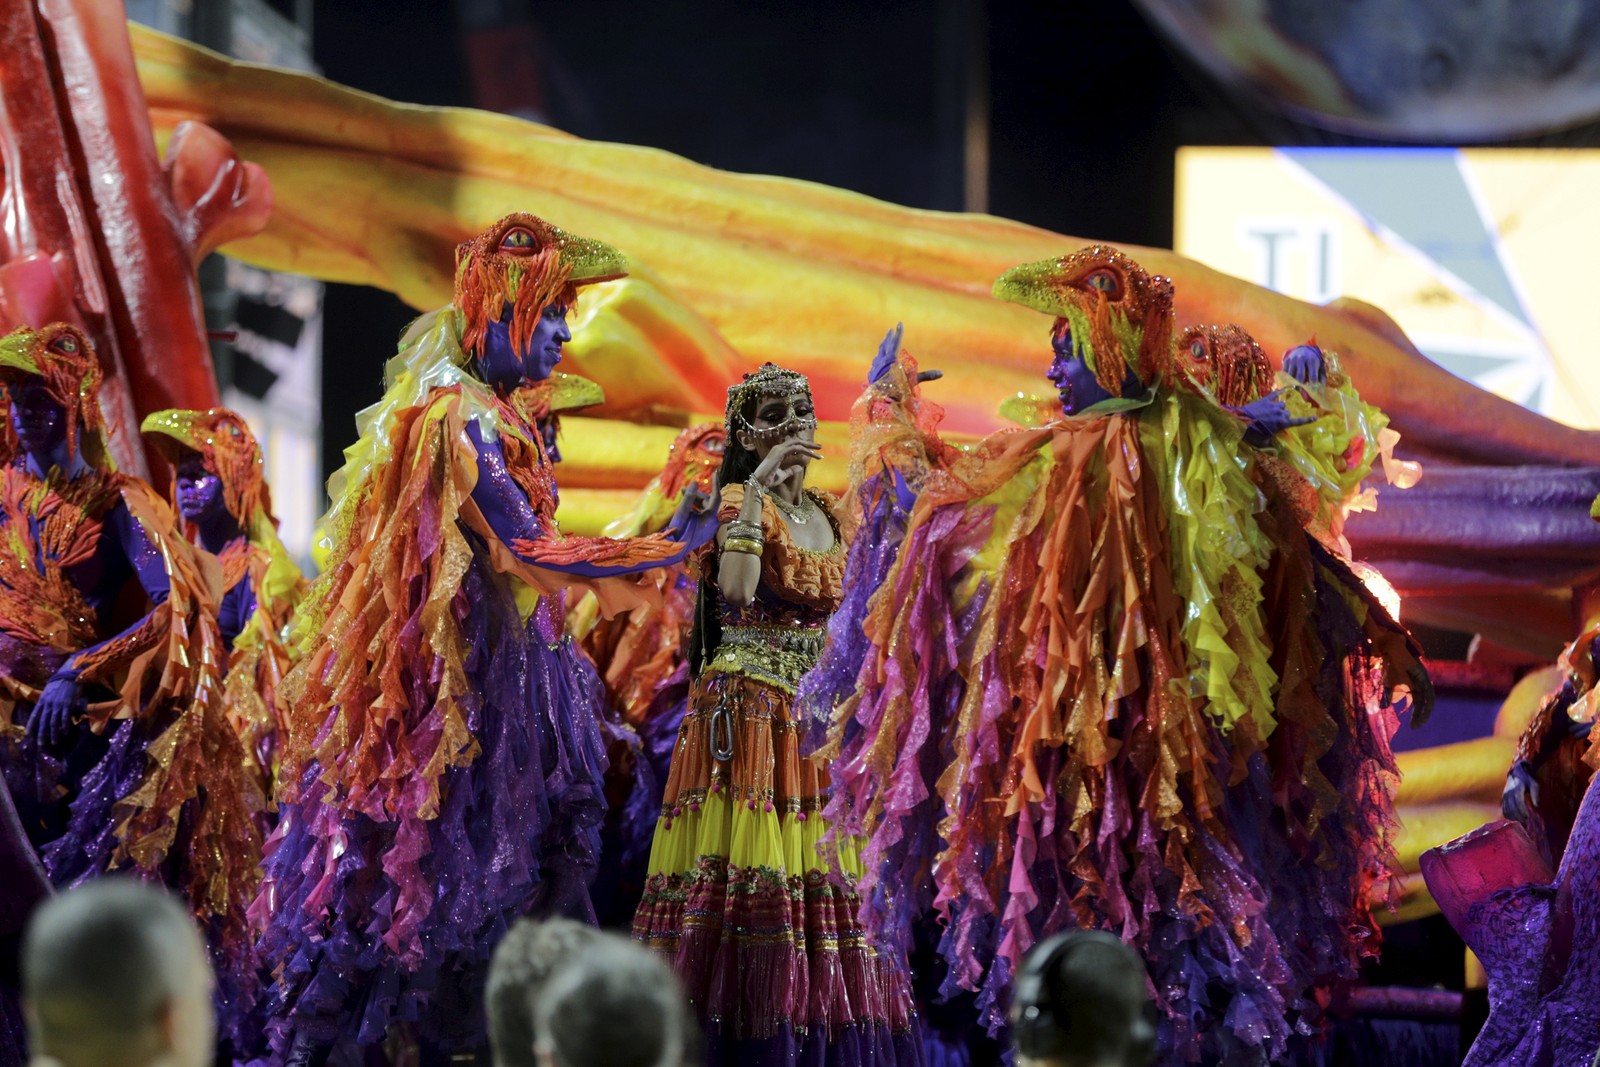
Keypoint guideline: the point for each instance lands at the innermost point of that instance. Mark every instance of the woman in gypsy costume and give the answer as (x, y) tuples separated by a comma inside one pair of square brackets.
[(442, 771), (740, 899), (112, 738), (1069, 666), (220, 487)]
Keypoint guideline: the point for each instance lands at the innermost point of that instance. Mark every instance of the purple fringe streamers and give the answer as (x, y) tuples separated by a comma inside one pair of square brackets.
[(1288, 900), (517, 833)]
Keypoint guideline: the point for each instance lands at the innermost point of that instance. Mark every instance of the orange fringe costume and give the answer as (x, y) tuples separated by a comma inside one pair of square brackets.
[(1065, 713), (441, 773), (164, 794), (259, 656)]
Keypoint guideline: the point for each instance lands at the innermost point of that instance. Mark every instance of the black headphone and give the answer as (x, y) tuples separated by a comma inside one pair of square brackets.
[(1035, 1030)]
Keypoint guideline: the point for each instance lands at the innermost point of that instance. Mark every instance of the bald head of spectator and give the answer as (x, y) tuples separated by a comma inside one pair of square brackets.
[(1080, 999), (613, 1005), (523, 962), (114, 974)]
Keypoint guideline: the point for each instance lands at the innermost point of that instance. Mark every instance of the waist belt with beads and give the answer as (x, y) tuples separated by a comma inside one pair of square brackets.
[(775, 655)]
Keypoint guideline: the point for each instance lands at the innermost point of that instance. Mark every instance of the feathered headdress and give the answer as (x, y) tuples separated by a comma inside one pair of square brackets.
[(1226, 362), (227, 448), (525, 262), (1118, 313), (61, 357)]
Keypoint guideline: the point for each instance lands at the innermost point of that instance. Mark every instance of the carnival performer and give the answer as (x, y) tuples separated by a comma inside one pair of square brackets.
[(1538, 940), (1306, 801), (112, 736), (220, 488), (1547, 782), (894, 448), (759, 924), (442, 772), (641, 654), (1071, 661)]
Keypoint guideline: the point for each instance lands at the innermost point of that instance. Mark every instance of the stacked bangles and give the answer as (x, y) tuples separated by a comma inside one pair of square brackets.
[(744, 536)]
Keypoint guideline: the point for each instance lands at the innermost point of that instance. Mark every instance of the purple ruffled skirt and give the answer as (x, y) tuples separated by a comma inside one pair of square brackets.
[(517, 833)]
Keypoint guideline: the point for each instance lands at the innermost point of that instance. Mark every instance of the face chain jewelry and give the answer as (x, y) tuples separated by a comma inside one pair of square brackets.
[(770, 381)]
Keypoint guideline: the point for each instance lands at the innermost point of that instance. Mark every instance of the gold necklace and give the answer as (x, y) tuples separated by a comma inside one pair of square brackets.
[(800, 513)]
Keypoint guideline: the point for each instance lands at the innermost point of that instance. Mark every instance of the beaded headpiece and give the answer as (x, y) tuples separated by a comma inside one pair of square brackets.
[(524, 261), (1118, 314), (61, 357), (769, 380), (1226, 362), (227, 448)]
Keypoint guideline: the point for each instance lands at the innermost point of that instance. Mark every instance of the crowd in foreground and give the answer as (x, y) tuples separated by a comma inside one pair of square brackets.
[(116, 974)]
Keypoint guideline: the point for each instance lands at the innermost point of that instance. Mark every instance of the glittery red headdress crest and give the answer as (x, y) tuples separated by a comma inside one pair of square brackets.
[(227, 448), (695, 455), (1119, 314), (525, 262), (1226, 362), (60, 356)]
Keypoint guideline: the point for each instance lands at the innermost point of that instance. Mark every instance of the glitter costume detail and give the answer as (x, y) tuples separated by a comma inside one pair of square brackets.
[(1225, 362), (442, 773), (756, 919), (1103, 685)]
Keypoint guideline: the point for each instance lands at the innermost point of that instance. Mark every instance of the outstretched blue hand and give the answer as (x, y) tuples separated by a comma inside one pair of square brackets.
[(1268, 417), (51, 721), (1305, 365)]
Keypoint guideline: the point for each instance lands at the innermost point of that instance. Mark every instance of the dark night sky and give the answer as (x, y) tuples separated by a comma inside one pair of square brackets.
[(1087, 108)]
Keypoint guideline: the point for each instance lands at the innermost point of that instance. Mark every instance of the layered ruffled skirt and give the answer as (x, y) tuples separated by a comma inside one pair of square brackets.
[(745, 900)]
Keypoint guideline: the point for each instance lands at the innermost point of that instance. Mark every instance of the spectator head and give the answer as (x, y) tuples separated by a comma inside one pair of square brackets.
[(114, 974), (1080, 1000), (523, 962), (615, 1005)]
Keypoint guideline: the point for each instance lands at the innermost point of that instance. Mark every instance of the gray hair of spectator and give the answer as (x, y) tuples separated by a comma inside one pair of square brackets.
[(615, 1005), (102, 966), (531, 951)]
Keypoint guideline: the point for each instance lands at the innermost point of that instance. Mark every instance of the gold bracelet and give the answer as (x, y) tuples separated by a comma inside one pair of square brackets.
[(745, 545), (744, 528)]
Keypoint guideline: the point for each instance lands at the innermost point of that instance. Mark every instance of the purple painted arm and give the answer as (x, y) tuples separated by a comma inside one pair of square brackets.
[(238, 604), (1267, 417), (512, 518), (63, 697)]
